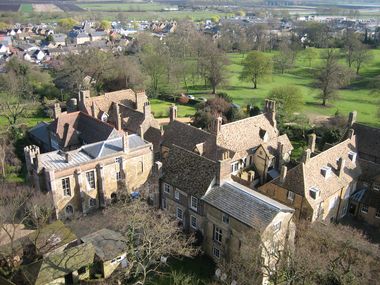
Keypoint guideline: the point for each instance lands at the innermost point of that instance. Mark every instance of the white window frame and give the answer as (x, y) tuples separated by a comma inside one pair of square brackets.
[(195, 208), (167, 188), (314, 190), (66, 186), (179, 217), (225, 218), (177, 195), (192, 219), (235, 167), (91, 183), (118, 175), (364, 209), (216, 252), (291, 196), (218, 234), (277, 227), (89, 202)]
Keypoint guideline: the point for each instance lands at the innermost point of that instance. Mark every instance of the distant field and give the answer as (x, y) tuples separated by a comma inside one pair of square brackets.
[(9, 7), (358, 96), (123, 6)]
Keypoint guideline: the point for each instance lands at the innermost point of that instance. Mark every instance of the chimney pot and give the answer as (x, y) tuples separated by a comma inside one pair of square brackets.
[(352, 118), (351, 133), (173, 113), (67, 157), (57, 110)]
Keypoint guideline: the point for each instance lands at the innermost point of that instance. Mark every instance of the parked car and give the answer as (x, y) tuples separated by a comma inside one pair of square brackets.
[(190, 97), (203, 99)]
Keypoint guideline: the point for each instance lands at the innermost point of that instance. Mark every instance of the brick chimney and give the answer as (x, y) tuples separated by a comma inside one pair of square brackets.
[(341, 165), (284, 172), (350, 134), (56, 110), (141, 99), (82, 96), (93, 109), (306, 156), (141, 132), (352, 118), (311, 142), (173, 113), (67, 157)]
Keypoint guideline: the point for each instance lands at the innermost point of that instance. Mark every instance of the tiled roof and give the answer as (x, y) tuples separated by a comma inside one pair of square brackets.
[(55, 160), (370, 170), (187, 137), (371, 198), (188, 171), (108, 244), (244, 204), (104, 102), (245, 134), (81, 128), (304, 176), (41, 132), (368, 139), (271, 147)]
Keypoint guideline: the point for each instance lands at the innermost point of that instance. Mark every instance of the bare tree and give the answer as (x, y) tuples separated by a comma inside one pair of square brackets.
[(361, 56), (151, 237), (331, 76)]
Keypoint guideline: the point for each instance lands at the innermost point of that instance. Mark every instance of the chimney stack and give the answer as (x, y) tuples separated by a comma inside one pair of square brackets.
[(217, 125), (67, 157), (118, 116), (306, 156), (270, 111), (125, 142), (311, 142), (284, 172), (147, 109), (57, 110), (93, 109), (251, 176), (352, 118), (173, 113), (142, 132), (341, 165), (350, 134)]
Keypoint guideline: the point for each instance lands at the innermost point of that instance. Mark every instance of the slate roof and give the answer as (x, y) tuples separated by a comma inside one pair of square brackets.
[(188, 171), (81, 128), (304, 176), (55, 160), (245, 205), (370, 170), (368, 139), (57, 265), (40, 131), (187, 137), (108, 244), (242, 135)]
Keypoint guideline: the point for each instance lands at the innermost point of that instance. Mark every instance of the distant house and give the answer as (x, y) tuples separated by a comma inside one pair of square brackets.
[(4, 49), (59, 40), (98, 36), (82, 38), (38, 55)]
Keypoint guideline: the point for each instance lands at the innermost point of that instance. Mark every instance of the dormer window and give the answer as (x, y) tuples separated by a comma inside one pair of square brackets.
[(326, 171), (314, 192), (352, 156), (263, 135)]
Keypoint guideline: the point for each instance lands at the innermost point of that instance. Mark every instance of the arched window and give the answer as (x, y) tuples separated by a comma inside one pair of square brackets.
[(69, 210)]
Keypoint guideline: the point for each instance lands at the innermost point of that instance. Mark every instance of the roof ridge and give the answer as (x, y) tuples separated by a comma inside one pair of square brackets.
[(245, 119), (255, 194), (195, 128), (327, 150)]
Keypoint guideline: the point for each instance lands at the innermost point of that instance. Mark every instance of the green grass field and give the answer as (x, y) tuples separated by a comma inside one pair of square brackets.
[(124, 6), (26, 8), (358, 96)]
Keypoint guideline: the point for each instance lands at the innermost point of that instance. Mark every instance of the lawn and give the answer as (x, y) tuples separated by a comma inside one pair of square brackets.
[(26, 8), (201, 267), (161, 109), (358, 96), (124, 6)]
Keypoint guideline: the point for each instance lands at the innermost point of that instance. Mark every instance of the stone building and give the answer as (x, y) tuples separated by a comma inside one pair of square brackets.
[(70, 130), (91, 176), (252, 151), (124, 109), (233, 210), (320, 186), (365, 203)]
